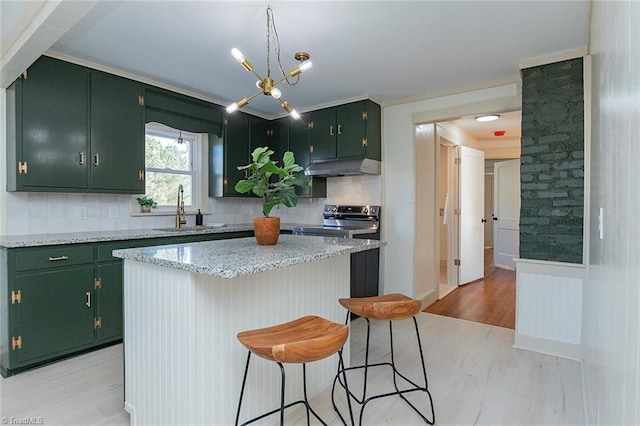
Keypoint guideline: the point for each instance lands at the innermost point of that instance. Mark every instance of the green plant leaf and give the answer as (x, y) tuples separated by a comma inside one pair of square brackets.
[(245, 186), (288, 197), (267, 206), (299, 179), (255, 155)]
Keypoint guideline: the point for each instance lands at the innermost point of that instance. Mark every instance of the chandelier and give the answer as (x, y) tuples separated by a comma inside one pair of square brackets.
[(268, 85)]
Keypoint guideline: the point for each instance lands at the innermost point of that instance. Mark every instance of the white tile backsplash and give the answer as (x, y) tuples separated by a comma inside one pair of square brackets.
[(44, 213)]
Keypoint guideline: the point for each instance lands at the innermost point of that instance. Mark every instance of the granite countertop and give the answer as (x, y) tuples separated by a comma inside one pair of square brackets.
[(242, 256), (35, 240)]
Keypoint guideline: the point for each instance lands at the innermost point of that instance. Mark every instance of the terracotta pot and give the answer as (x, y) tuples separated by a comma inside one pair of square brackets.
[(266, 230)]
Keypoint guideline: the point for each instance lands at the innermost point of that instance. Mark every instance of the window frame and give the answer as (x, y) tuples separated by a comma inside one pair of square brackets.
[(199, 171)]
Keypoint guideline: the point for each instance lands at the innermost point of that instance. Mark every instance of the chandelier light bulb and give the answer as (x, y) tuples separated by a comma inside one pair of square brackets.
[(295, 114), (305, 66), (232, 108), (237, 55), (259, 84), (276, 93)]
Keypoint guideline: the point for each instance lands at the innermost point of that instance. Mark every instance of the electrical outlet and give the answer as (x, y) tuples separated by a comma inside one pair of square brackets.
[(114, 212), (81, 213)]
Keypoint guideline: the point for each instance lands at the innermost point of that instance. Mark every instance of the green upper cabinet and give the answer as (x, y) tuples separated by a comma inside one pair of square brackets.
[(299, 145), (259, 133), (117, 135), (73, 129), (279, 138), (299, 139), (346, 131), (47, 121), (322, 134), (227, 153)]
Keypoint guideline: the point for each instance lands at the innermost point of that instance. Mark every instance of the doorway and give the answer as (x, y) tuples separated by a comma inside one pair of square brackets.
[(475, 232), (447, 202)]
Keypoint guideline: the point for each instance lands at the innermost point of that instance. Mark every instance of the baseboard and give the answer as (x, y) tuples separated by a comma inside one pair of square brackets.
[(132, 412), (428, 298), (549, 347)]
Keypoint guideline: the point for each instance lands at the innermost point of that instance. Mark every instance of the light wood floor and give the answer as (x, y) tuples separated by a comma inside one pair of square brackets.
[(475, 377), (490, 300)]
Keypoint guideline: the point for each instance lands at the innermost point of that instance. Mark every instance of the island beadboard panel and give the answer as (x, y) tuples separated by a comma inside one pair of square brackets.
[(552, 162), (180, 338)]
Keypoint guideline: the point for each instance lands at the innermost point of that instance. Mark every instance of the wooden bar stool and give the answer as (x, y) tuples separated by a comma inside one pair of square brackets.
[(390, 307), (307, 339)]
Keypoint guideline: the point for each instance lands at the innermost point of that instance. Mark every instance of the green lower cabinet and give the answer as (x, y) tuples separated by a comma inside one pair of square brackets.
[(109, 302), (55, 314), (62, 300)]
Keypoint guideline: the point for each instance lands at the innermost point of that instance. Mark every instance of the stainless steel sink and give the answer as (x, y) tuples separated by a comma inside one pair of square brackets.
[(181, 229)]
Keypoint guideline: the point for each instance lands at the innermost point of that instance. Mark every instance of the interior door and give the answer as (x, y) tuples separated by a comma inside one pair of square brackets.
[(506, 217), (471, 214), (488, 210)]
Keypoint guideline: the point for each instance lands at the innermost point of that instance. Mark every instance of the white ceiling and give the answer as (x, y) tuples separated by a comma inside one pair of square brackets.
[(387, 50)]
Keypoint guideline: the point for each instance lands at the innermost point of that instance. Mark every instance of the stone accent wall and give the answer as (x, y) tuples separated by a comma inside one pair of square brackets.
[(552, 162)]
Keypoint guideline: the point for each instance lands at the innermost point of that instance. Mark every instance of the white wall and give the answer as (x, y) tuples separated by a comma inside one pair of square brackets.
[(611, 322), (399, 170), (44, 213)]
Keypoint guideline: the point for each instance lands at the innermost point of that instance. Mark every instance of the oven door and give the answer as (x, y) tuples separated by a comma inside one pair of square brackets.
[(321, 231)]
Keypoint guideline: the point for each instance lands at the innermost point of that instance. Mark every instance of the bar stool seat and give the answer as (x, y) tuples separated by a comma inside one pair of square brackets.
[(307, 339), (389, 307)]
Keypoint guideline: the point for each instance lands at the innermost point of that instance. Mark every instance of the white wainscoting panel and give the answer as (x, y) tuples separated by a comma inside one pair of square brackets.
[(183, 362), (549, 307)]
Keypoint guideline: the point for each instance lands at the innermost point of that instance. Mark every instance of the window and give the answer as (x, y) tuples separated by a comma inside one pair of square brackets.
[(170, 164)]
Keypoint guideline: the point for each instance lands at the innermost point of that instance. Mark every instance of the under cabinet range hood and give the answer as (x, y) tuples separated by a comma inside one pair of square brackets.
[(345, 167)]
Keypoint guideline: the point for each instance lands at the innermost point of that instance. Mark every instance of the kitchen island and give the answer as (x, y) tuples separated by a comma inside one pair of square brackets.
[(185, 303)]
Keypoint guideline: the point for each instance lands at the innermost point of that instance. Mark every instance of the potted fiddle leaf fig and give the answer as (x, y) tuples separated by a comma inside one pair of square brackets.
[(275, 185)]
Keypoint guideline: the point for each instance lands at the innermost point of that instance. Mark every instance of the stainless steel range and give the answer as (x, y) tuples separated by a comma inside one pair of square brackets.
[(345, 221)]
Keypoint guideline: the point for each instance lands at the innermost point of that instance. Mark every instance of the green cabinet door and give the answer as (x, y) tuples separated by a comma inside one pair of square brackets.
[(117, 135), (359, 130), (351, 120), (279, 138), (51, 128), (55, 314), (236, 150), (259, 133), (299, 140), (322, 134), (109, 301), (299, 145)]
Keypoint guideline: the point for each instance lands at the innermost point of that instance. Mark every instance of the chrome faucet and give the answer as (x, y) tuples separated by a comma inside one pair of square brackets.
[(180, 218)]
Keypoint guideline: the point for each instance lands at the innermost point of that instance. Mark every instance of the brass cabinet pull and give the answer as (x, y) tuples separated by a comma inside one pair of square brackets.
[(331, 130), (96, 159), (339, 129), (88, 303), (81, 158), (55, 259)]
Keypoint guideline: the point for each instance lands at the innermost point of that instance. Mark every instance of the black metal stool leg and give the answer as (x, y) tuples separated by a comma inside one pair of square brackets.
[(342, 370), (282, 383), (244, 381), (414, 387)]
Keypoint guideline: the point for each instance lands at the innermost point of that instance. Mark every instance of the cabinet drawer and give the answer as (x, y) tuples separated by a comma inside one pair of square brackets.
[(53, 257)]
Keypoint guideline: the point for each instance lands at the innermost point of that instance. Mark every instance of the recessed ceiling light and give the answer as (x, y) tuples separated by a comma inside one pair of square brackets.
[(490, 117)]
